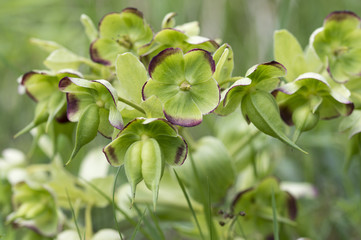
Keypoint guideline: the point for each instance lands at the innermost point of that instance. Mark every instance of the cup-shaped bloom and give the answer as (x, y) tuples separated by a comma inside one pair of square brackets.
[(184, 84), (338, 44), (93, 104), (310, 97), (35, 208), (144, 146), (119, 33), (256, 206), (42, 87), (176, 38)]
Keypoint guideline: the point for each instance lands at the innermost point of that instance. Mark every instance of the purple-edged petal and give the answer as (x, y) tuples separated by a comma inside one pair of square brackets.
[(168, 66), (174, 149), (115, 118), (76, 103), (105, 51), (38, 85), (105, 128), (161, 90), (265, 71), (206, 95), (74, 85), (199, 66), (182, 110), (116, 150)]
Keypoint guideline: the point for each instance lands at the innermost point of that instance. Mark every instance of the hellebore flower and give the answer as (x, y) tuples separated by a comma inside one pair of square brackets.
[(256, 207), (184, 37), (144, 146), (338, 44), (184, 84), (93, 104), (35, 208), (42, 87), (119, 33), (257, 104), (311, 97)]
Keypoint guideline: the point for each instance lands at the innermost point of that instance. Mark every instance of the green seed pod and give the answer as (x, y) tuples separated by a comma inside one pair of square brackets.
[(133, 165), (304, 119), (152, 166)]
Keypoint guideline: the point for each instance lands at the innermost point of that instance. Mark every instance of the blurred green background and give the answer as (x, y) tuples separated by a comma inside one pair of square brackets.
[(246, 25)]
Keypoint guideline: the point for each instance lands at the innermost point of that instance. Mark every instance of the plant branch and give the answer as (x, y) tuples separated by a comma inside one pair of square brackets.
[(133, 105)]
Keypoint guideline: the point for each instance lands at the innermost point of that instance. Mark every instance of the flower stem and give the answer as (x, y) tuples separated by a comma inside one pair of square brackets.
[(133, 105), (88, 222)]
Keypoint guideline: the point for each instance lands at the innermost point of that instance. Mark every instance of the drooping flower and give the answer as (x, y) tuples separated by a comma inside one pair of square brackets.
[(35, 208), (310, 98), (184, 84), (144, 146), (42, 87), (338, 44), (93, 104), (119, 33)]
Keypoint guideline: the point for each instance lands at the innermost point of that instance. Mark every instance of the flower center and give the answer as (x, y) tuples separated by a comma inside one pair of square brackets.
[(100, 103), (340, 50), (185, 86), (125, 42)]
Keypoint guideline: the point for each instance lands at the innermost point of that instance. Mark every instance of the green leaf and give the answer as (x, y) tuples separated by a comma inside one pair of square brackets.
[(62, 59), (48, 46), (261, 109), (152, 166), (133, 165), (105, 128), (288, 51), (86, 130), (90, 29), (132, 75)]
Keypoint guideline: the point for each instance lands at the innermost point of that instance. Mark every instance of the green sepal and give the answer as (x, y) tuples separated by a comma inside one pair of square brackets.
[(223, 59), (152, 166), (62, 59), (41, 116), (168, 20), (288, 51), (132, 75), (48, 46), (266, 76), (56, 103), (86, 130), (133, 165), (89, 27), (261, 109)]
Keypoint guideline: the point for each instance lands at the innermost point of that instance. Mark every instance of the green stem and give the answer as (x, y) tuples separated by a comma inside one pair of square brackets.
[(245, 142), (133, 105), (88, 222)]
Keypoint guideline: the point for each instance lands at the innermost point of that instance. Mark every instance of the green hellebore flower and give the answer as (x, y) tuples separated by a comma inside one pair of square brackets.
[(119, 33), (310, 97), (35, 208), (176, 38), (184, 84), (42, 87), (338, 44), (93, 104), (256, 209), (144, 146), (257, 104)]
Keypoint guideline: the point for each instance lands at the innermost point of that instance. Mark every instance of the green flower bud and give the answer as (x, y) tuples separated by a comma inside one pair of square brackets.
[(304, 119)]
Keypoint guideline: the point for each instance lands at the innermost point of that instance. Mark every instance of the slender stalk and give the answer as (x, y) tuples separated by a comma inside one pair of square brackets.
[(243, 143), (133, 105), (114, 205), (88, 221)]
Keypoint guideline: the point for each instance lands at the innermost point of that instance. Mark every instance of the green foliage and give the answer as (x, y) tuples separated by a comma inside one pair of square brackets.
[(144, 90)]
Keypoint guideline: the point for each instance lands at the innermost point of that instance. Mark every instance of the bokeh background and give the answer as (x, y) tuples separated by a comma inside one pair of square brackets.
[(247, 25)]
